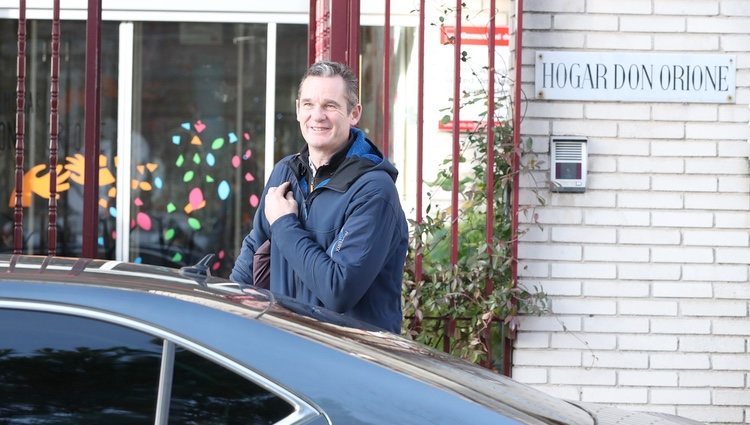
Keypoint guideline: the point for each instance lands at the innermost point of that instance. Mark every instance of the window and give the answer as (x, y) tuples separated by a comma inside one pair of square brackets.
[(205, 393), (61, 369), (70, 141), (202, 100), (198, 140), (57, 369)]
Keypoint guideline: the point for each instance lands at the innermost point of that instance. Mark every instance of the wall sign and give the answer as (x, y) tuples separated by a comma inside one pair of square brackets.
[(474, 41), (635, 77)]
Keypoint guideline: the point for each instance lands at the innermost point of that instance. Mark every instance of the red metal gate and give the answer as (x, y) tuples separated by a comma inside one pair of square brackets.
[(333, 34), (334, 37)]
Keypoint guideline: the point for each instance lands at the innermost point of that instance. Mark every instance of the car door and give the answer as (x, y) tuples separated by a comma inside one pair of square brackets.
[(62, 364)]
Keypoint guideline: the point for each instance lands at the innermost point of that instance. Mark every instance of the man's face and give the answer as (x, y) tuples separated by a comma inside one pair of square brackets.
[(322, 114)]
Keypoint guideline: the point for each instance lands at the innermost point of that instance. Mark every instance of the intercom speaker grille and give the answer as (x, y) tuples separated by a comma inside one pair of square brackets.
[(569, 151)]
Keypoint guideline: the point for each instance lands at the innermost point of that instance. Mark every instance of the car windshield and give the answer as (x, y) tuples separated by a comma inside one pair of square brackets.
[(473, 382)]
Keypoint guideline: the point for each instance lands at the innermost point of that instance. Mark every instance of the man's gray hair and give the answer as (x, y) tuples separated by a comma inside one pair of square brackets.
[(332, 69)]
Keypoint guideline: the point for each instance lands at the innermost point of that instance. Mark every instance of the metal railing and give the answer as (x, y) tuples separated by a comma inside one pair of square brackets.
[(333, 34)]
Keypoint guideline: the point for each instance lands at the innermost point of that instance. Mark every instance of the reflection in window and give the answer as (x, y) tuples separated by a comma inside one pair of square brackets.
[(371, 84), (60, 369), (206, 393), (291, 62)]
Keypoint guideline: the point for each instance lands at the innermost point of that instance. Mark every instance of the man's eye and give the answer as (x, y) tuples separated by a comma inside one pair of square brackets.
[(331, 106)]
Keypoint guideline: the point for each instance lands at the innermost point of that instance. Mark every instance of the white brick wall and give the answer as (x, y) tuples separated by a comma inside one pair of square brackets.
[(648, 269)]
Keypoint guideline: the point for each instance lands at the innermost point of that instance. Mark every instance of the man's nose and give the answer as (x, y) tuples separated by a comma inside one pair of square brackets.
[(318, 113)]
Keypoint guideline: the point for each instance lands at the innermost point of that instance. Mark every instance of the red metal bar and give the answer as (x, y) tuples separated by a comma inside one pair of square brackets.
[(447, 338), (420, 137), (353, 39), (456, 133), (515, 164), (344, 32), (53, 129), (333, 32), (321, 38), (490, 228), (387, 79), (20, 128), (456, 154), (312, 20), (91, 129), (338, 29)]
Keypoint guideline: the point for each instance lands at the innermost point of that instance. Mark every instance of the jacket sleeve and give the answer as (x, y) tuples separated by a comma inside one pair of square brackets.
[(340, 274)]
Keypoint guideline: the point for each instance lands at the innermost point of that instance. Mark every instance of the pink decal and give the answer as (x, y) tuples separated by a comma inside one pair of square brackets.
[(249, 177), (144, 221), (216, 266), (246, 136), (248, 154), (132, 223), (199, 126), (114, 235), (196, 198), (235, 161), (254, 200), (221, 254), (138, 202)]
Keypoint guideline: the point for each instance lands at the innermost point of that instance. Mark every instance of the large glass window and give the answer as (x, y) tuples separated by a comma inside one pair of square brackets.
[(70, 137), (198, 144), (291, 62)]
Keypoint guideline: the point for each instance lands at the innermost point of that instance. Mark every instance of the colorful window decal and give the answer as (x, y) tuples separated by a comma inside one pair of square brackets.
[(198, 164)]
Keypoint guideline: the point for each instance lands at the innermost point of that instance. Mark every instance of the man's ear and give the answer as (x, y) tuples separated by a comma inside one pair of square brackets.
[(355, 115)]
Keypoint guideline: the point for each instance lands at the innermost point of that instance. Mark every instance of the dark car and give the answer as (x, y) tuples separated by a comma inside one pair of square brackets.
[(97, 341)]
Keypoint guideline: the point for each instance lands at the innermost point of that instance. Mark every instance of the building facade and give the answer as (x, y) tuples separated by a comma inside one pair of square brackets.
[(647, 269)]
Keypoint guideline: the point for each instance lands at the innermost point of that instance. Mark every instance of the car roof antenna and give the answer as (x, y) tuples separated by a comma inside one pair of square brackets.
[(200, 272)]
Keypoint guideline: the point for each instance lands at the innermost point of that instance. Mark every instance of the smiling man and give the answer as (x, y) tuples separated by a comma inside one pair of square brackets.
[(337, 232)]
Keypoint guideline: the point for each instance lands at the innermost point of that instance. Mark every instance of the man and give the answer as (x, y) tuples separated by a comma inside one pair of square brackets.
[(332, 212)]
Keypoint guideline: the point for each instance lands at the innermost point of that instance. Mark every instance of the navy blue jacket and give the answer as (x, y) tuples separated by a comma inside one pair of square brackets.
[(346, 249)]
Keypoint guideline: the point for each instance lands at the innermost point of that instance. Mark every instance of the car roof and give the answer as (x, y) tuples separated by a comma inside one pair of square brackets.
[(337, 364)]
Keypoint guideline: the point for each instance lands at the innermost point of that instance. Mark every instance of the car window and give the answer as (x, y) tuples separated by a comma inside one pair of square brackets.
[(62, 369), (57, 369), (206, 393)]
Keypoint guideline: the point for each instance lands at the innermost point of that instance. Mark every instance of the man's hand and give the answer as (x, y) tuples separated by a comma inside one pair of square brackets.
[(279, 201)]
